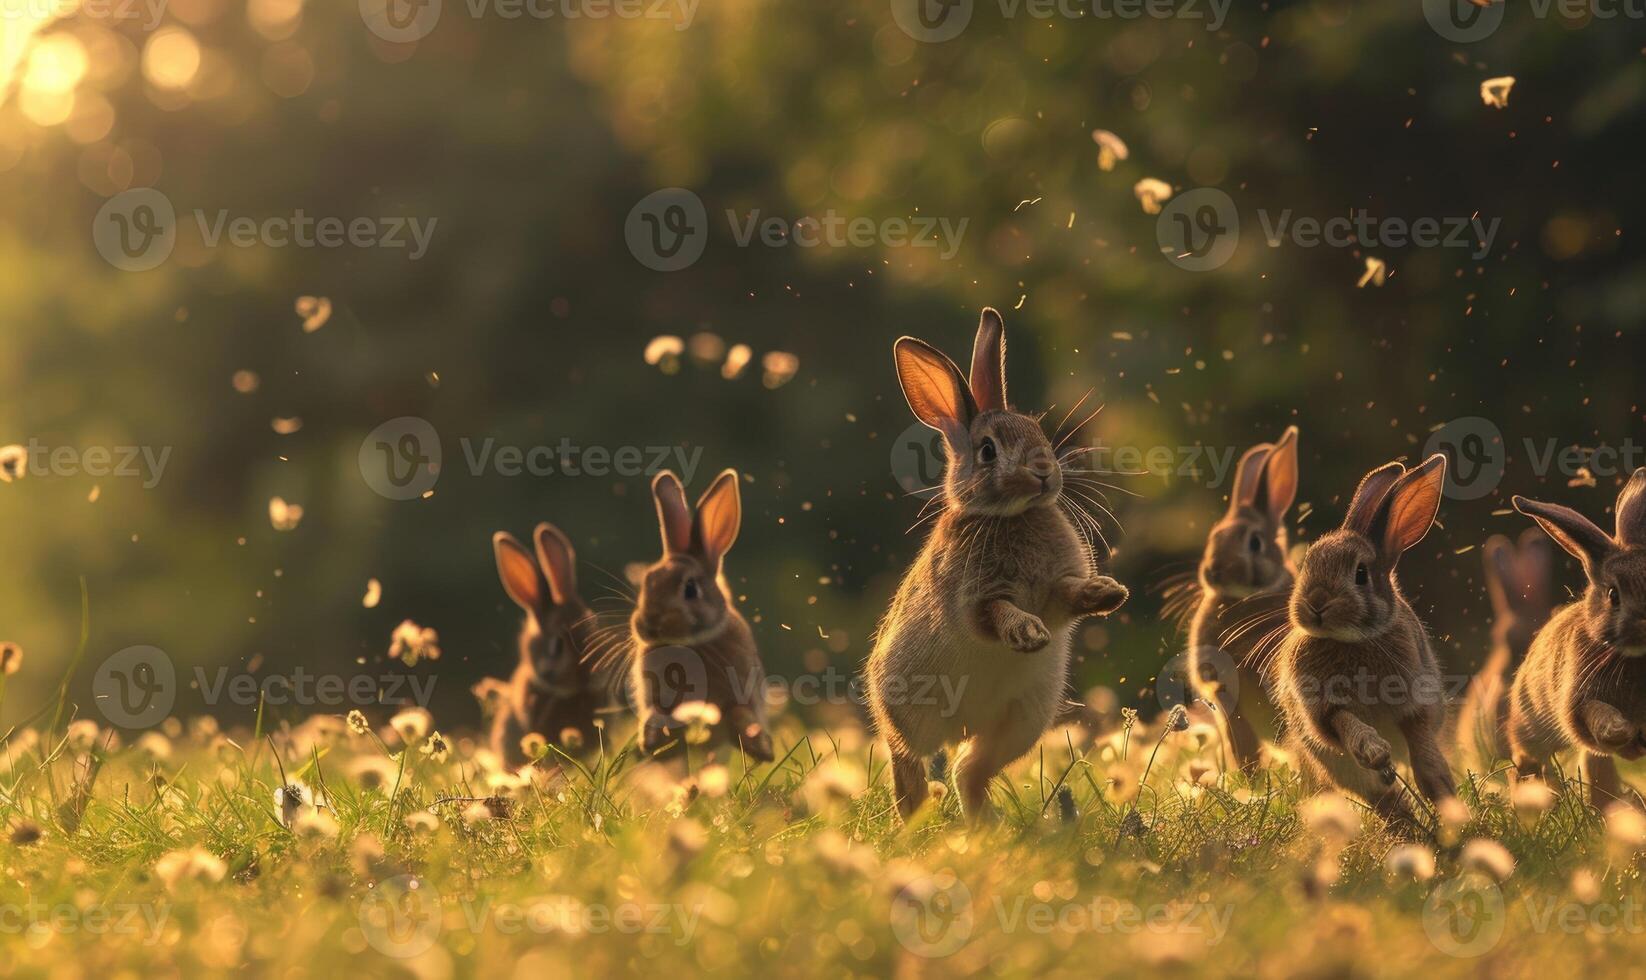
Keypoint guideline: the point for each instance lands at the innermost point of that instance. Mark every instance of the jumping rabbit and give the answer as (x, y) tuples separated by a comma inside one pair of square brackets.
[(1356, 679), (1518, 580), (689, 641), (984, 613), (552, 689), (1245, 557), (1583, 684)]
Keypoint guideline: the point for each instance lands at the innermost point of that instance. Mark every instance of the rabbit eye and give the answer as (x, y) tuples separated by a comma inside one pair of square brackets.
[(691, 588), (1361, 575), (986, 452), (1614, 597), (1255, 542)]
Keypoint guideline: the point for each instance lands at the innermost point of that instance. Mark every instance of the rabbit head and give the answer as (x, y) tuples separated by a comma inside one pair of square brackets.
[(1615, 601), (1000, 462), (1246, 550), (1519, 582), (1345, 586), (546, 588), (682, 599)]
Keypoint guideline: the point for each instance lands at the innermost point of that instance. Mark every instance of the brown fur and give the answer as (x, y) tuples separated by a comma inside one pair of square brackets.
[(1235, 578), (1357, 679), (974, 648), (689, 643), (1583, 684), (1519, 584), (552, 690)]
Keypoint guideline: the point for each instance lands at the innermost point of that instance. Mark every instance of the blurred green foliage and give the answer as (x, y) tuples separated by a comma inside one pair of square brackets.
[(529, 141)]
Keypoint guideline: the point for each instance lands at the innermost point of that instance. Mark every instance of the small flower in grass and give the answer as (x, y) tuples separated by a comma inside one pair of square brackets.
[(571, 739), (293, 800), (154, 745), (534, 746), (11, 658), (83, 734), (192, 864), (1330, 815), (1585, 886), (699, 717), (14, 463), (412, 725), (1625, 829), (316, 824), (357, 722), (437, 749), (1454, 816), (1410, 862), (843, 855), (687, 838), (1489, 858), (422, 822), (831, 784), (412, 643), (1177, 720), (1532, 798), (714, 781)]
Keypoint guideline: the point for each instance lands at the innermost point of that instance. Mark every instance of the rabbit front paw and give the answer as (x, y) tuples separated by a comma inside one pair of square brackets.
[(1097, 596), (1372, 751), (1610, 729), (1026, 634)]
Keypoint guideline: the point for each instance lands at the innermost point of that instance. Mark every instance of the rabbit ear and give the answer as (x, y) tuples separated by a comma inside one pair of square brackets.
[(1368, 499), (1499, 560), (559, 561), (1534, 564), (1631, 511), (1410, 508), (673, 517), (936, 392), (1248, 474), (1278, 487), (719, 516), (989, 363), (1572, 531), (518, 572)]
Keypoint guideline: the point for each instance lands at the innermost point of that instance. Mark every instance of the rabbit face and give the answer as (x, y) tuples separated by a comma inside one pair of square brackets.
[(544, 586), (681, 604), (1011, 467), (1341, 594), (1617, 600), (1245, 555), (553, 649)]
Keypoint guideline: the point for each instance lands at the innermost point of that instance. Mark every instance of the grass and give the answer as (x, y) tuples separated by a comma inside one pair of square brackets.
[(182, 852)]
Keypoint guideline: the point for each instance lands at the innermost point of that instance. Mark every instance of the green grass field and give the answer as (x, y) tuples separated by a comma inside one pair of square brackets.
[(181, 854)]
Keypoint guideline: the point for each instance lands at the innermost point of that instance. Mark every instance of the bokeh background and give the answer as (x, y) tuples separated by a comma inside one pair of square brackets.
[(528, 141)]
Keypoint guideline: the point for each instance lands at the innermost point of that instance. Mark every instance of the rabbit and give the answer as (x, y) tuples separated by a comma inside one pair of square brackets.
[(1356, 680), (1583, 684), (1518, 580), (975, 645), (552, 690), (1246, 557), (689, 642)]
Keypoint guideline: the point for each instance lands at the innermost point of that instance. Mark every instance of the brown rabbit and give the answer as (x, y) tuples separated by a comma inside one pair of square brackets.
[(1357, 677), (1583, 684), (984, 613), (1520, 585), (1245, 558), (552, 690), (689, 641)]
